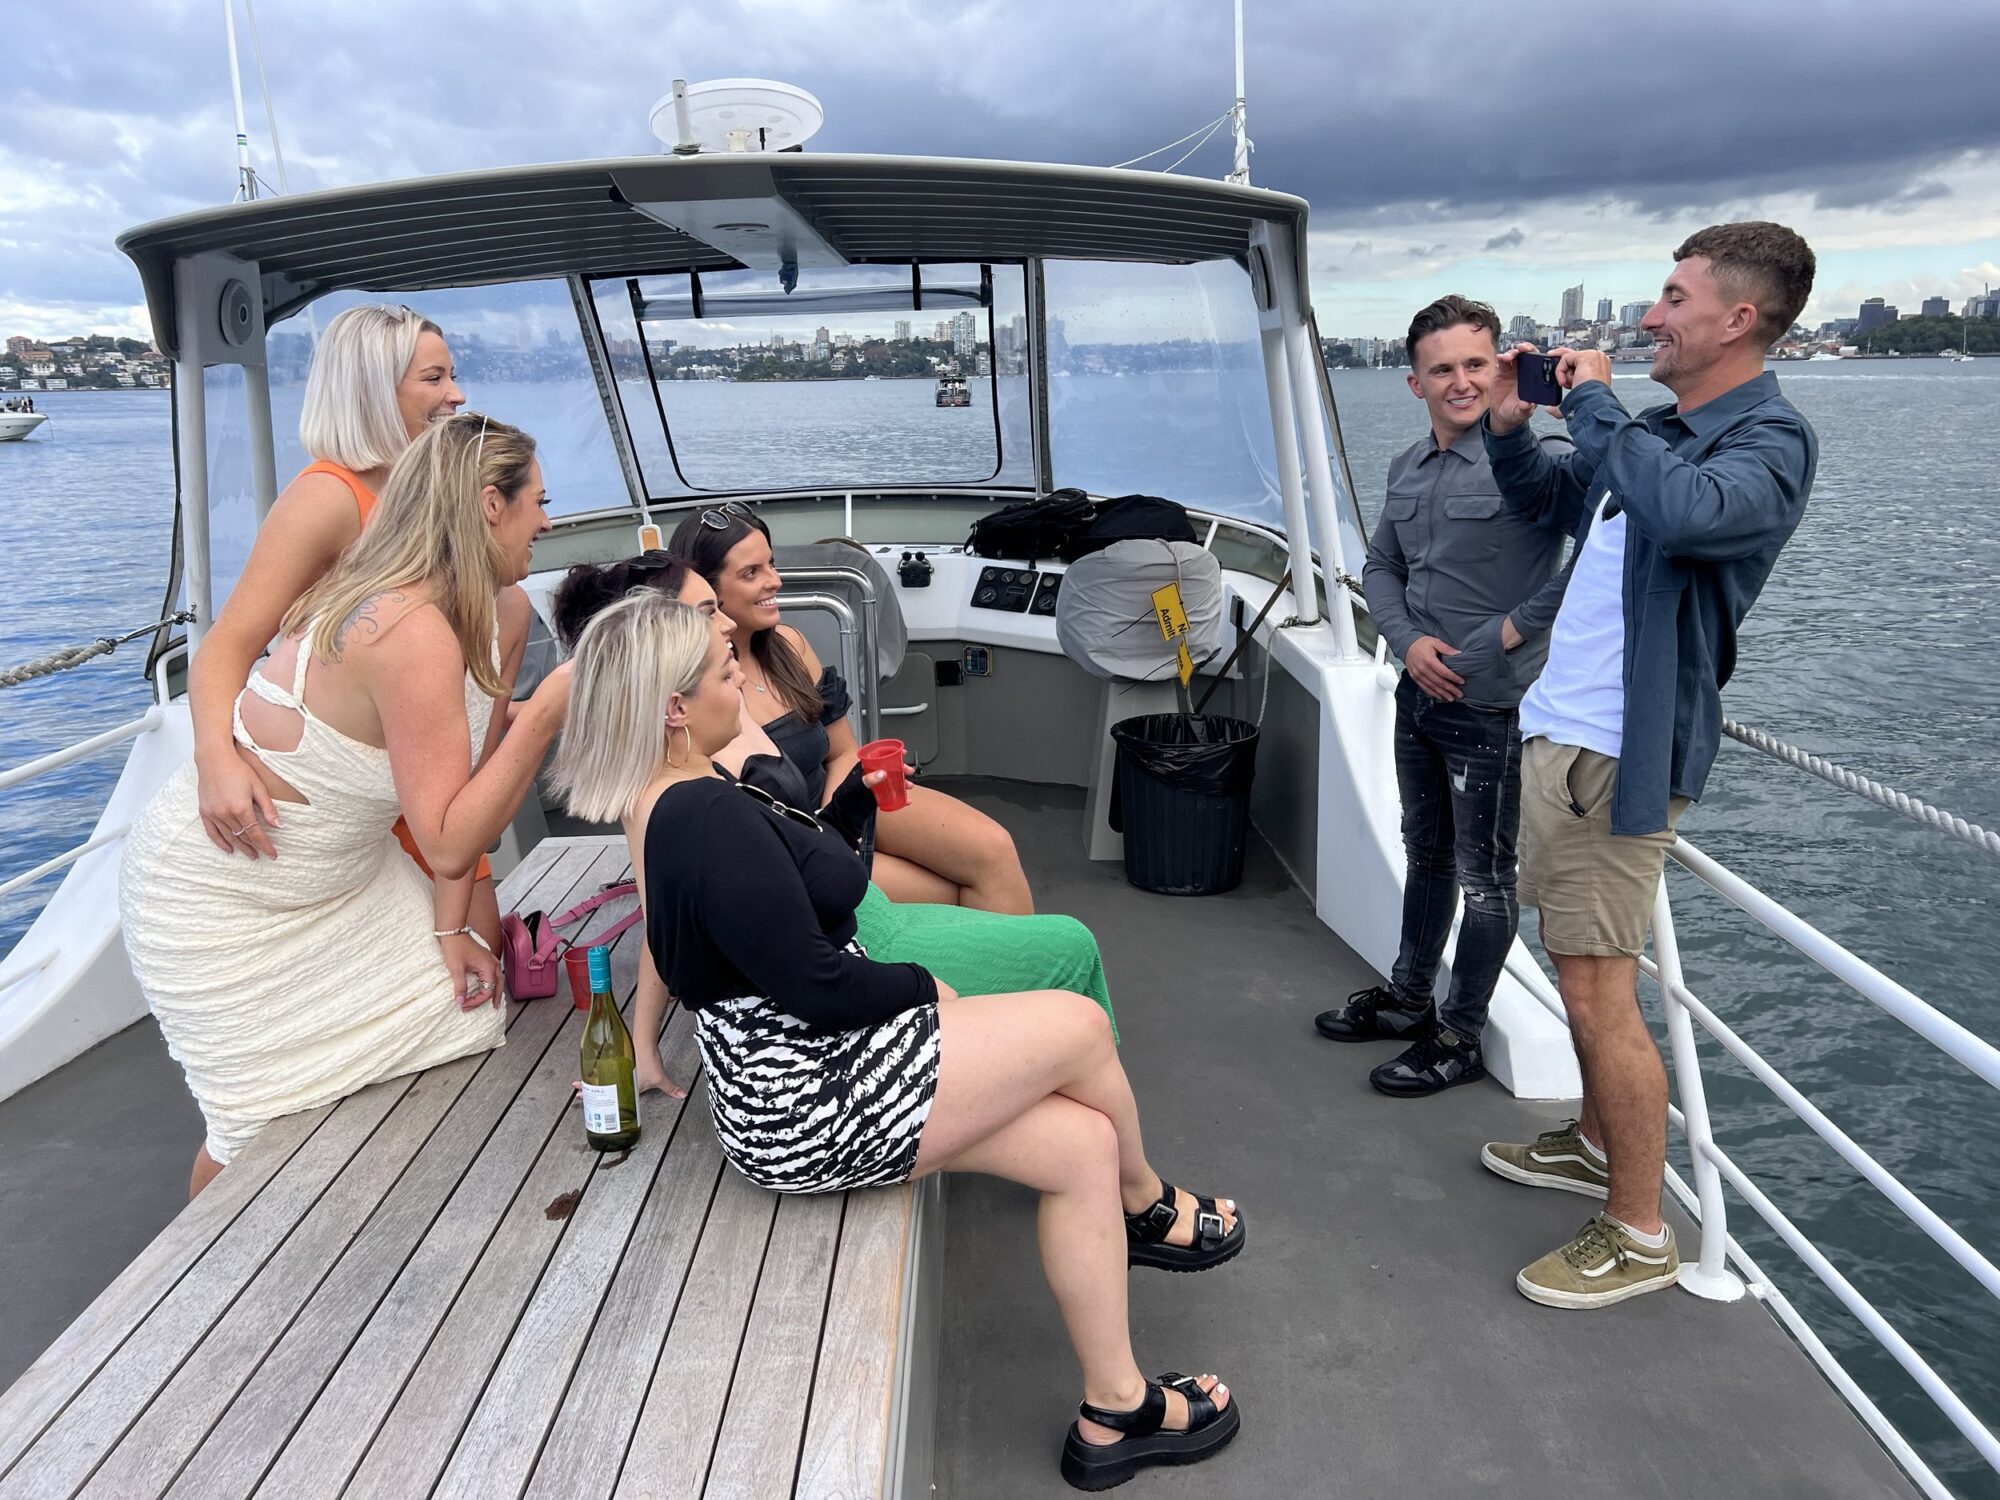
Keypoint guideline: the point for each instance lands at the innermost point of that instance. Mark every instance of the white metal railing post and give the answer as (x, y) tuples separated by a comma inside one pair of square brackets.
[(1710, 1277)]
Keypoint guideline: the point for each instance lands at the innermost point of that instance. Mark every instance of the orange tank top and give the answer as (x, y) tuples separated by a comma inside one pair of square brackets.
[(364, 498)]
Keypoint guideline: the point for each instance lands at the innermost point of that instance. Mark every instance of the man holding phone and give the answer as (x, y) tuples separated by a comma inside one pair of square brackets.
[(1464, 592), (1679, 514)]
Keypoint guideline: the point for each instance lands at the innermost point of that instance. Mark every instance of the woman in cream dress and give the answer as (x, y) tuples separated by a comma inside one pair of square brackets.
[(285, 984)]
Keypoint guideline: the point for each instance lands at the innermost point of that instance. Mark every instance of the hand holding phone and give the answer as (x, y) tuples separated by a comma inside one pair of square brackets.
[(1535, 378)]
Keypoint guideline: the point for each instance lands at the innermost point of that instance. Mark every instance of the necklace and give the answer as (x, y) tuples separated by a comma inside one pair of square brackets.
[(759, 684)]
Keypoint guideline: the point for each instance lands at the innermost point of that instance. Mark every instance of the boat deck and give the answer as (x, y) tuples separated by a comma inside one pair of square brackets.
[(1371, 1329), (436, 1287)]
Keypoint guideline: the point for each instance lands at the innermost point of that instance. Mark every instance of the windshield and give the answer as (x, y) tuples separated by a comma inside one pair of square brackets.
[(842, 381)]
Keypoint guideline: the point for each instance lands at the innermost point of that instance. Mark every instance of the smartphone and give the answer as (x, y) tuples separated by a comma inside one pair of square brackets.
[(1535, 379)]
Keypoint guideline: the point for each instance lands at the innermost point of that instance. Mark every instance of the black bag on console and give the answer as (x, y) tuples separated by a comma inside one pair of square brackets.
[(1034, 529), (1130, 518)]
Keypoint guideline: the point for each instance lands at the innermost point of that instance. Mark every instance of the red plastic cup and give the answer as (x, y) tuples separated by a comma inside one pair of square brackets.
[(576, 960), (893, 791)]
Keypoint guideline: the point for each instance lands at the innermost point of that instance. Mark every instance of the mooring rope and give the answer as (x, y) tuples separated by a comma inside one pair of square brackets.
[(76, 656), (1913, 808)]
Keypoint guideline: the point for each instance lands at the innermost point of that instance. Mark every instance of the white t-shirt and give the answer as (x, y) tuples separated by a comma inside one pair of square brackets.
[(1580, 697)]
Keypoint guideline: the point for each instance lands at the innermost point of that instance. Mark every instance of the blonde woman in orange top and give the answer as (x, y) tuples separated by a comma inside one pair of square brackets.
[(381, 376)]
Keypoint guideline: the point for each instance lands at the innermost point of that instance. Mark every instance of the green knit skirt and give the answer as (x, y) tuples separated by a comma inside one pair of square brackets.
[(983, 952)]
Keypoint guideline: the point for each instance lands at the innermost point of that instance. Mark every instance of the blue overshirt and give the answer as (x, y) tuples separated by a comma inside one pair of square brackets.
[(1710, 496)]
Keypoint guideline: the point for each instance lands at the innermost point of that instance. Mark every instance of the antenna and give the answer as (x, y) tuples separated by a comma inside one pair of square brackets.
[(735, 115), (1239, 172), (246, 174)]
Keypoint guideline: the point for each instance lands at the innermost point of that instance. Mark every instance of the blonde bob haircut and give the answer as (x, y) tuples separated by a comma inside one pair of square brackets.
[(430, 528), (350, 416), (630, 661)]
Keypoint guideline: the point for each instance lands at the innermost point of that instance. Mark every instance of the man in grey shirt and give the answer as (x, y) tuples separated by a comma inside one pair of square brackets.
[(1464, 591)]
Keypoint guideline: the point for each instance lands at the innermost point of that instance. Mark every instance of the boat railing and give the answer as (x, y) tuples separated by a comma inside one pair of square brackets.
[(55, 760), (1710, 1275)]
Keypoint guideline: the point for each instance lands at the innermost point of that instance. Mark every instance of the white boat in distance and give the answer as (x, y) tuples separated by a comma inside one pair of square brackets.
[(15, 425)]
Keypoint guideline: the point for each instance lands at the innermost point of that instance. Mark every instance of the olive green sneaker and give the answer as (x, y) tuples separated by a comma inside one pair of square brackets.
[(1557, 1159), (1602, 1265)]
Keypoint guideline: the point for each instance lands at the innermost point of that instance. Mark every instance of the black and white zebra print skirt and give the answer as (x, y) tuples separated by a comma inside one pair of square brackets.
[(800, 1111)]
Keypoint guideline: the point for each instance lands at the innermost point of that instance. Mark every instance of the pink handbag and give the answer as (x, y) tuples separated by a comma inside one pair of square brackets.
[(531, 950)]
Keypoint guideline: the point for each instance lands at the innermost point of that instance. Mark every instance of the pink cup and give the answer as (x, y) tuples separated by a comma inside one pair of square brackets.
[(893, 791), (576, 960)]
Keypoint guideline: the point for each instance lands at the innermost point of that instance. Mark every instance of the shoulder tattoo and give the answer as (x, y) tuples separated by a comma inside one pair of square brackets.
[(363, 617)]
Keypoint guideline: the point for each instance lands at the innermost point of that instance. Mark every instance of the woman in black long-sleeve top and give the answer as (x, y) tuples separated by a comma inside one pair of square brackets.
[(828, 1071)]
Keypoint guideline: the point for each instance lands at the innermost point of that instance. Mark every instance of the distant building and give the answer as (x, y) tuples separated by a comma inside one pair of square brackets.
[(1632, 313), (902, 330), (1936, 307), (1874, 313), (965, 333), (1572, 305), (1521, 330), (822, 335), (20, 344), (1985, 305), (1604, 309)]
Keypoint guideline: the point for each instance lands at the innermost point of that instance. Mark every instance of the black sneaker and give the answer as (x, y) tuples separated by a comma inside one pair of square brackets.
[(1375, 1015), (1440, 1061)]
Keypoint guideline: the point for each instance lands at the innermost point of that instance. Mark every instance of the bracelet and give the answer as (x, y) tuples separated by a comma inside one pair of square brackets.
[(455, 932)]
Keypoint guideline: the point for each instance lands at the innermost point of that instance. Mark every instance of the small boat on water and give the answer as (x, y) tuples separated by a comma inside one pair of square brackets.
[(15, 425), (952, 391)]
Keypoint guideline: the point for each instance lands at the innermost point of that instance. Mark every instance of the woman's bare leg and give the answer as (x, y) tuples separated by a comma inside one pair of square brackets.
[(1069, 1153), (206, 1170), (1001, 1055), (911, 884), (649, 1012), (960, 844)]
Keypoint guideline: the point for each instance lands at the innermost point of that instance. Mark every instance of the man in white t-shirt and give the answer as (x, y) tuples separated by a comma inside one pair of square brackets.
[(1679, 514)]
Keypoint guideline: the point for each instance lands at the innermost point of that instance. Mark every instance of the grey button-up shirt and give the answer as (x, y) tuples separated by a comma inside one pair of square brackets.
[(1449, 560)]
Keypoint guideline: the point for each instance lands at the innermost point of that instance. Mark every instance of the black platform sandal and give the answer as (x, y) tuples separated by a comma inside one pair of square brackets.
[(1146, 1235), (1146, 1444)]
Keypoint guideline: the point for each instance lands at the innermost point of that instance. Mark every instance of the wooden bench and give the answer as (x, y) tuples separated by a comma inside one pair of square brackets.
[(437, 1287)]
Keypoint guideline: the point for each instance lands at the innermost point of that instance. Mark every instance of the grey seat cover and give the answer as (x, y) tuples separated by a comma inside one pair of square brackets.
[(1104, 614)]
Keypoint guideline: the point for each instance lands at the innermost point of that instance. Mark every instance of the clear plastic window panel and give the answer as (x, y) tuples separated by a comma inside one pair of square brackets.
[(840, 382)]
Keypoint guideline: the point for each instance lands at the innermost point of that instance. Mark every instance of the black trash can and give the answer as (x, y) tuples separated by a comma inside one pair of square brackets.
[(1183, 800)]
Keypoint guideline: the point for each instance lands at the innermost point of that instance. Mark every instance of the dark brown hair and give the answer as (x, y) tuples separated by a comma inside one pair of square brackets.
[(1449, 312), (589, 588), (707, 549), (1761, 263)]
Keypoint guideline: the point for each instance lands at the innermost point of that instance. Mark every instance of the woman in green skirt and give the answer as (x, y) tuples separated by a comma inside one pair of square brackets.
[(975, 952)]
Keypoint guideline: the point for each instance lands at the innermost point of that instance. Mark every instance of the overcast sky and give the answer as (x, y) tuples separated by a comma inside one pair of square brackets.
[(1874, 130)]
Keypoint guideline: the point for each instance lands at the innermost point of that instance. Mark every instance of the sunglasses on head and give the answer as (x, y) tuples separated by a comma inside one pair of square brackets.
[(721, 516), (783, 809)]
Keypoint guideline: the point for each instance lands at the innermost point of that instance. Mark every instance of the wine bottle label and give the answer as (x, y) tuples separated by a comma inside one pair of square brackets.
[(600, 1108)]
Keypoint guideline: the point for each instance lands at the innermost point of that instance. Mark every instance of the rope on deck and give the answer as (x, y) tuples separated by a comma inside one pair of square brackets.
[(76, 656), (1914, 808)]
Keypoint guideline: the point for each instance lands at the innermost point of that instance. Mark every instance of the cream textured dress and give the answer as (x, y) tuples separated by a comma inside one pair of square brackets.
[(284, 985)]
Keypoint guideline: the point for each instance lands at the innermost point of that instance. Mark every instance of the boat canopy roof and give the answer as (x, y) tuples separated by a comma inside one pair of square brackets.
[(650, 214)]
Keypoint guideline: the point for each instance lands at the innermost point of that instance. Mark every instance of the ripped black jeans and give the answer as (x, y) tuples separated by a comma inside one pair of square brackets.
[(1459, 771)]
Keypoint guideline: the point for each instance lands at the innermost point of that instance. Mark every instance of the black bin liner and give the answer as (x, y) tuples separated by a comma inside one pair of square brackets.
[(1182, 800)]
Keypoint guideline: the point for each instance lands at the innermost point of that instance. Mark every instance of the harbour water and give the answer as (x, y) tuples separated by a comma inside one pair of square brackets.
[(1873, 645)]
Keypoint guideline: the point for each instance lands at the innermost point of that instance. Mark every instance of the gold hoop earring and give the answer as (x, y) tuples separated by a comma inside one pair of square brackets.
[(677, 764)]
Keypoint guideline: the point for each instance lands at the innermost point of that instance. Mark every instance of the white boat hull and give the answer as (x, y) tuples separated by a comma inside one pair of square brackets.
[(67, 986), (15, 425)]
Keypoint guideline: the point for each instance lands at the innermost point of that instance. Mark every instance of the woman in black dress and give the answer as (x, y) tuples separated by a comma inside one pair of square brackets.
[(829, 1071), (937, 849)]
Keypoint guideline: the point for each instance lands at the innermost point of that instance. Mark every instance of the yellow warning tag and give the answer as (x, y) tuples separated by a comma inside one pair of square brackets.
[(1172, 615)]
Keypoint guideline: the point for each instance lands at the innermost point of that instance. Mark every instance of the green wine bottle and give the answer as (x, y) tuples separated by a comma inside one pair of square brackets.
[(610, 1099)]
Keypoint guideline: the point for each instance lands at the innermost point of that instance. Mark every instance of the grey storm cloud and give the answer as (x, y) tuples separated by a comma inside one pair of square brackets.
[(123, 109), (1508, 240)]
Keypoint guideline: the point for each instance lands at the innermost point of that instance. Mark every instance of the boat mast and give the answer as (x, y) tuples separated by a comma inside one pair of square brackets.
[(246, 174), (1239, 172)]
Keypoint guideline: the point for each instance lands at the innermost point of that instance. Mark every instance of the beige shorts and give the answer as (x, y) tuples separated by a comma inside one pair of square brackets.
[(1595, 888)]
